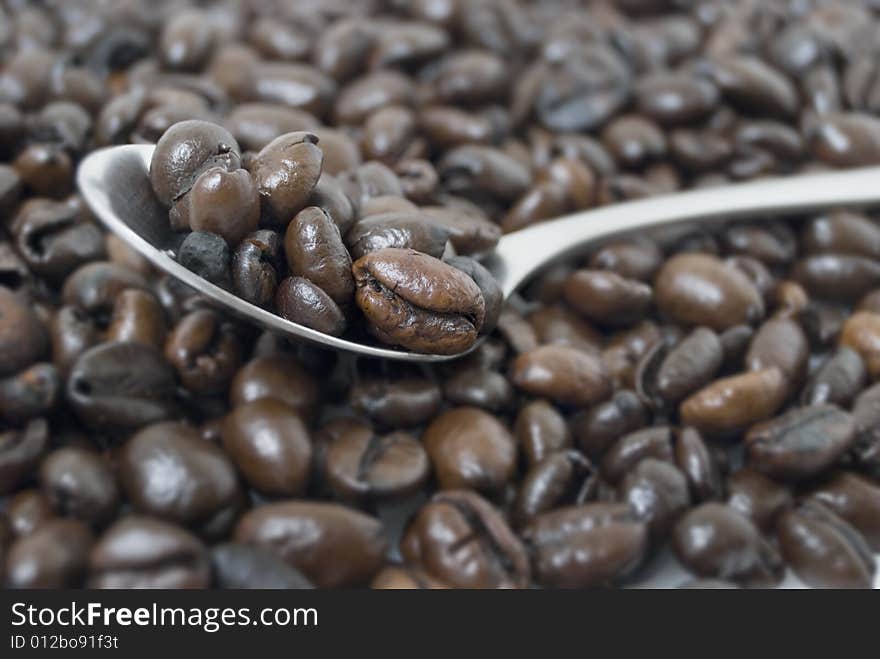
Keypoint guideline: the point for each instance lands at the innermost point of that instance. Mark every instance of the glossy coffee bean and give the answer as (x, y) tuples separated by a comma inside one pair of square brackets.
[(168, 471), (493, 296), (399, 402), (540, 431), (715, 541), (398, 229), (21, 450), (460, 539), (32, 393), (841, 232), (270, 445), (657, 492), (800, 443), (80, 484), (607, 298), (55, 555), (470, 449), (671, 98), (23, 337), (286, 171), (225, 203), (780, 343), (417, 302), (731, 404), (315, 251), (755, 87), (847, 139), (837, 381), (836, 277), (665, 376), (585, 546), (137, 317), (565, 375), (861, 333), (281, 377), (24, 513), (823, 549), (682, 290), (695, 460), (634, 140), (255, 267), (204, 351), (856, 500), (634, 447), (474, 169), (239, 566), (481, 388), (103, 393), (143, 552), (756, 496), (333, 546), (371, 467), (599, 427), (94, 287), (301, 301), (559, 479)]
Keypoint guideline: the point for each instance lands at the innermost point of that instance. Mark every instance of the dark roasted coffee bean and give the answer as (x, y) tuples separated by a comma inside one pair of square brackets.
[(731, 404), (470, 449), (286, 171), (314, 250), (634, 447), (301, 301), (55, 555), (837, 277), (207, 255), (669, 375), (841, 232), (462, 540), (837, 381), (861, 333), (657, 492), (540, 431), (25, 512), (671, 98), (121, 386), (847, 139), (270, 445), (23, 337), (138, 317), (361, 466), (598, 428), (142, 552), (563, 374), (79, 483), (341, 548), (94, 287), (715, 541), (168, 471), (780, 343), (823, 549), (34, 392), (698, 465), (400, 229), (585, 546), (757, 497), (754, 86), (21, 450), (697, 289), (239, 566), (204, 351), (856, 500), (397, 402), (280, 376), (607, 298), (224, 203), (560, 478), (801, 443), (71, 331), (481, 170), (493, 296), (255, 265), (254, 125), (480, 388), (417, 302)]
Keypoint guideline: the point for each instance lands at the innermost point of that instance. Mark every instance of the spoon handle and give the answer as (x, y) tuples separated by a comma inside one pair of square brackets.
[(524, 252)]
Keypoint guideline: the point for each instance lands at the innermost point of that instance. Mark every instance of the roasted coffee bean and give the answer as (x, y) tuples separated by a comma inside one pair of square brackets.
[(493, 296), (780, 343), (79, 483), (168, 471), (557, 325), (540, 431), (137, 317), (278, 376), (315, 251), (585, 546), (607, 298), (363, 96), (561, 478), (224, 203), (634, 140), (837, 381), (856, 500), (255, 265), (756, 496), (94, 287), (361, 466), (861, 333), (270, 445), (836, 277), (847, 139), (23, 337), (480, 388), (544, 201), (482, 170), (565, 375), (657, 492), (417, 302), (121, 386), (669, 375), (731, 404), (801, 443), (400, 229), (184, 152), (142, 552), (673, 99), (754, 86), (715, 541), (55, 555), (207, 255), (333, 546), (24, 513), (470, 449), (239, 566), (598, 428), (634, 447), (204, 351), (34, 392), (286, 171), (254, 125), (301, 301), (697, 289), (841, 232), (396, 402), (823, 549), (21, 450), (698, 465), (460, 539)]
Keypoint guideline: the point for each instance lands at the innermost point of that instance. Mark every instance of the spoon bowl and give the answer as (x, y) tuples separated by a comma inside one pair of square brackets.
[(114, 182)]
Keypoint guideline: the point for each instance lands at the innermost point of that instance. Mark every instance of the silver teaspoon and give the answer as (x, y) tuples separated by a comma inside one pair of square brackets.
[(115, 183)]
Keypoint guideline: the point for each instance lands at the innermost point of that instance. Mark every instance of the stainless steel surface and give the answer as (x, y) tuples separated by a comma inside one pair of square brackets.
[(115, 184)]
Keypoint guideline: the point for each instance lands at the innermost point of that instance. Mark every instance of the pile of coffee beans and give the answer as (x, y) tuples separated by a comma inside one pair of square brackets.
[(715, 394)]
